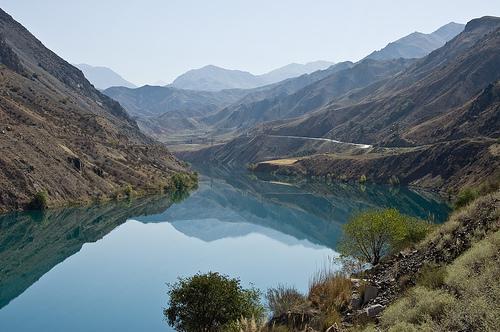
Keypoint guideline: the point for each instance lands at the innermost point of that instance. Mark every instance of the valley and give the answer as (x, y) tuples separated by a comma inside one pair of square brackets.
[(360, 194)]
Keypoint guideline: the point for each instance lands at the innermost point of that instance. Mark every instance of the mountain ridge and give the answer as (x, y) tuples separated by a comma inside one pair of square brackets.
[(61, 140), (103, 77)]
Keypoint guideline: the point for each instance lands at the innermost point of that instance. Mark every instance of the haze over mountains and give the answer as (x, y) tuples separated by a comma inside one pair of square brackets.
[(213, 78), (103, 77), (435, 120), (417, 44), (421, 114)]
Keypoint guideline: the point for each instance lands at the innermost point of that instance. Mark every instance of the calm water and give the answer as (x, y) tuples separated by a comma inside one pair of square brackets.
[(105, 268)]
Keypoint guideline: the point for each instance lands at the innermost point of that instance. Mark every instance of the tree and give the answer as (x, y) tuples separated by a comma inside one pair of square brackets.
[(370, 235), (210, 302)]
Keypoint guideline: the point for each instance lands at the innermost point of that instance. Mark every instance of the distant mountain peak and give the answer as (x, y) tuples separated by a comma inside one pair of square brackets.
[(418, 44), (215, 78), (103, 77)]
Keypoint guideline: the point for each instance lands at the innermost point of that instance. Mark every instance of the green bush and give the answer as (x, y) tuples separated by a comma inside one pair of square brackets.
[(431, 276), (210, 302), (283, 299), (469, 300), (184, 181), (40, 201), (420, 306), (362, 179), (370, 235), (465, 196)]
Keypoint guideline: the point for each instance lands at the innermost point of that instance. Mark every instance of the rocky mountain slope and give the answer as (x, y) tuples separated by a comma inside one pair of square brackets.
[(103, 77), (309, 98), (417, 44), (437, 119), (62, 137), (213, 78)]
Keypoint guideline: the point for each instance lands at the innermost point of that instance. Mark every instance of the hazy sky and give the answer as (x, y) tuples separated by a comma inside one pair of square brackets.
[(150, 40)]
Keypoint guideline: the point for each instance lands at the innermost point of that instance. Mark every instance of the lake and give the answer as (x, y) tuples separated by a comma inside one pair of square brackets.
[(105, 267)]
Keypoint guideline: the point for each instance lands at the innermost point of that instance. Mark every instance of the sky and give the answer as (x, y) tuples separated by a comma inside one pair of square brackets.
[(156, 40)]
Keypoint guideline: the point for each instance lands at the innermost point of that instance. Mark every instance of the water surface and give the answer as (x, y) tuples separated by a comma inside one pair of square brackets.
[(105, 268)]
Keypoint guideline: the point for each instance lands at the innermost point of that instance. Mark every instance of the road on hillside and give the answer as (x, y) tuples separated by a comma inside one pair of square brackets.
[(361, 146)]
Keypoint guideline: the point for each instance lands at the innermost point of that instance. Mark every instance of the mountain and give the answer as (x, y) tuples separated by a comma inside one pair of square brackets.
[(102, 77), (61, 136), (161, 111), (213, 78), (417, 44), (434, 124), (294, 70), (339, 80)]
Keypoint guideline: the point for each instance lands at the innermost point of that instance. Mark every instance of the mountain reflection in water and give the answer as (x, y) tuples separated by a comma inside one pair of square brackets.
[(226, 206)]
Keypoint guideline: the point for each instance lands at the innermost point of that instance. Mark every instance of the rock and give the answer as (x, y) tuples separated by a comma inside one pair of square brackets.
[(356, 301), (98, 171), (373, 310), (370, 293), (77, 163)]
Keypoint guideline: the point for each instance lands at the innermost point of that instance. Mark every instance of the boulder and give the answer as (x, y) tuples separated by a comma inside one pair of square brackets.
[(373, 310), (369, 293)]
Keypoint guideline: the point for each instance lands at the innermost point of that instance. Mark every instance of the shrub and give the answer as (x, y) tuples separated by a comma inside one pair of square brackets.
[(210, 302), (419, 307), (473, 277), (370, 235), (465, 196), (330, 291), (470, 300), (362, 179), (282, 299), (40, 201), (184, 181), (431, 276), (128, 191)]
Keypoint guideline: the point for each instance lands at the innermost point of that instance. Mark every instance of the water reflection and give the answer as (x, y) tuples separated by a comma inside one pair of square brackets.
[(31, 243), (263, 230)]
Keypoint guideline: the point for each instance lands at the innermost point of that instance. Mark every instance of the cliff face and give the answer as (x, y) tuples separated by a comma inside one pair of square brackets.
[(60, 135)]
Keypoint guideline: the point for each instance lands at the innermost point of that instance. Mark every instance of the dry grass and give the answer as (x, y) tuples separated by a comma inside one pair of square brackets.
[(289, 161), (469, 300), (330, 291), (443, 234), (283, 299)]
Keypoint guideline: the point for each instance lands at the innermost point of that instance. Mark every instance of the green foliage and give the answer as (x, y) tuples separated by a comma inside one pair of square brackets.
[(40, 201), (362, 179), (465, 196), (184, 181), (210, 302), (283, 299), (370, 235), (128, 191), (419, 306), (469, 300), (431, 276)]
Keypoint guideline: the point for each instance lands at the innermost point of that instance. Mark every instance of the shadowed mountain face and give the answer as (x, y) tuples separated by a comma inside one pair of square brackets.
[(60, 135), (213, 78), (417, 44), (103, 77), (309, 98), (420, 97), (415, 114)]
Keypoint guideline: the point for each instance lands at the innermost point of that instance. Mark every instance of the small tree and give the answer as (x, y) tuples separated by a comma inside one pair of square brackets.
[(210, 302), (370, 235)]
